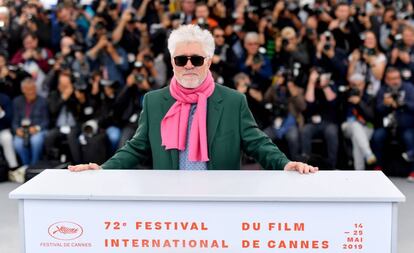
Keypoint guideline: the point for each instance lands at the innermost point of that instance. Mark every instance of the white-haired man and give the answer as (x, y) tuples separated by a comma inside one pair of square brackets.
[(195, 124)]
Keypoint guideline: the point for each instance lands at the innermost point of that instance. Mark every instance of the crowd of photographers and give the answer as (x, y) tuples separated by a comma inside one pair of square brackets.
[(72, 76)]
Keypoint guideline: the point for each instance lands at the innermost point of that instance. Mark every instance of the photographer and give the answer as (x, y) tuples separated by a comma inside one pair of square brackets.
[(286, 102), (331, 58), (130, 33), (33, 20), (395, 110), (388, 28), (223, 61), (107, 56), (34, 59), (202, 17), (10, 77), (320, 116), (358, 126), (128, 103), (402, 54), (254, 96), (30, 121), (369, 62), (90, 143), (344, 29), (63, 116), (71, 58), (290, 54), (255, 64), (108, 119), (285, 14)]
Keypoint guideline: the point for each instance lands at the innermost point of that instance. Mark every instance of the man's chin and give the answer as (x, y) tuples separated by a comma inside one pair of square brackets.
[(189, 84)]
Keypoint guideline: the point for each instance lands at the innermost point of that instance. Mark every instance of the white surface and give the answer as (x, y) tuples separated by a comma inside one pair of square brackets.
[(222, 221), (337, 186)]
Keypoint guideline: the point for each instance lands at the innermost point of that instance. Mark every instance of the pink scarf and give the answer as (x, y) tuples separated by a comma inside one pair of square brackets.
[(174, 124)]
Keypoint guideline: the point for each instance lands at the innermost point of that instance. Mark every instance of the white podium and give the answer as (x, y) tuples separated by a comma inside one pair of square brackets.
[(125, 211)]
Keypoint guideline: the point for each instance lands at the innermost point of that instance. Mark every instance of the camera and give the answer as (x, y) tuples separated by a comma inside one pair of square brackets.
[(148, 58), (368, 51), (390, 121), (285, 43), (328, 43), (258, 58), (353, 92), (359, 11), (399, 43), (201, 22), (90, 128), (25, 124), (139, 78), (134, 18)]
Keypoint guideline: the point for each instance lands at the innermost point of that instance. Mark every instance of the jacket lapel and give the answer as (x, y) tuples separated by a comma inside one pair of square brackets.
[(214, 112), (166, 105)]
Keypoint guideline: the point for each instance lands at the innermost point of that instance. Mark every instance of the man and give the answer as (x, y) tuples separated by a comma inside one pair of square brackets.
[(30, 121), (176, 121), (395, 106)]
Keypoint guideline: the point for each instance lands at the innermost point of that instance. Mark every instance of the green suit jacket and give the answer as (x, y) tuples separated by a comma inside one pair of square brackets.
[(231, 129)]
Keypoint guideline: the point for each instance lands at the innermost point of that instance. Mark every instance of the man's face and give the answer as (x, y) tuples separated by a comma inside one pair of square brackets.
[(219, 37), (29, 91), (393, 79), (64, 83), (342, 12), (202, 12), (188, 6), (252, 46), (30, 43), (408, 37), (190, 76)]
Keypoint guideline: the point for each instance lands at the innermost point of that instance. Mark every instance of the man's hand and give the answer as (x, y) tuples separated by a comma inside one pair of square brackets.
[(302, 168), (82, 167)]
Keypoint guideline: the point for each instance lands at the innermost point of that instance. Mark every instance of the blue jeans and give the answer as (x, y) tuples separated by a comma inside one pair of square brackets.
[(381, 135), (114, 135), (30, 155), (329, 132)]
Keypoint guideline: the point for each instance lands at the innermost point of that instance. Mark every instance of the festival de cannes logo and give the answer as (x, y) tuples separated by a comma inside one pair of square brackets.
[(65, 230)]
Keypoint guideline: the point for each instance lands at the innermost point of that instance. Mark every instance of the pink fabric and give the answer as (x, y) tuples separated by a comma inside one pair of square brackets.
[(174, 124)]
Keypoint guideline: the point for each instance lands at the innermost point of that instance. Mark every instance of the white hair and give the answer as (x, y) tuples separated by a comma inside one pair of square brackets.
[(4, 10), (251, 36), (191, 33)]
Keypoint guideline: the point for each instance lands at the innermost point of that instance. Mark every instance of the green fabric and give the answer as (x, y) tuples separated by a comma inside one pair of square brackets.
[(231, 129)]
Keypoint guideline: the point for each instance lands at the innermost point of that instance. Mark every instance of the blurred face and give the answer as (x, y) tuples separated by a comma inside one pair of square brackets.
[(408, 37), (360, 84), (342, 12), (65, 45), (64, 83), (370, 40), (252, 46), (30, 43), (188, 6), (218, 37), (393, 79), (389, 16), (190, 76), (202, 12), (29, 91)]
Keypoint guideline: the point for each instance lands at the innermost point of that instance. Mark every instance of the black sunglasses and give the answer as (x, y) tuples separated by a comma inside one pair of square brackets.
[(196, 60)]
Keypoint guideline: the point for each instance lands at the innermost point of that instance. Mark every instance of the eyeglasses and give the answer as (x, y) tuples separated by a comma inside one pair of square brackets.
[(219, 35), (196, 60)]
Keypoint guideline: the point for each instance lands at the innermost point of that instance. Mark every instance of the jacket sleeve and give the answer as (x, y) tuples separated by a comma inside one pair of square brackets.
[(137, 150), (257, 144)]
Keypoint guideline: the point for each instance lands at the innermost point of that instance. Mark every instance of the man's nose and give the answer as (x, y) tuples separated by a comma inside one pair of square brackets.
[(188, 64)]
